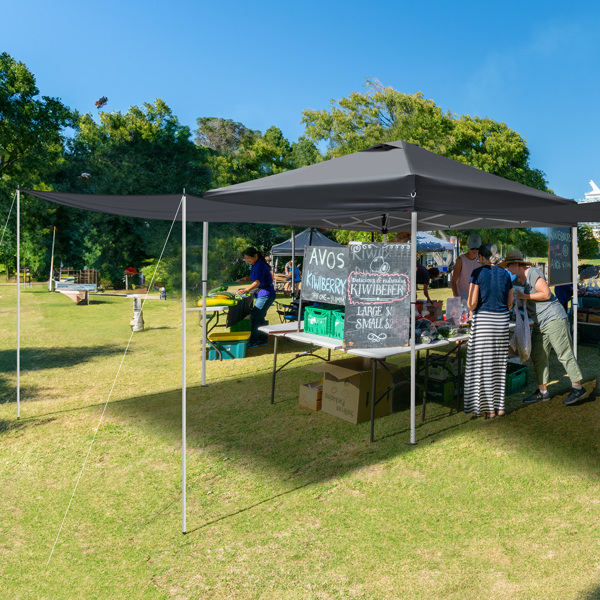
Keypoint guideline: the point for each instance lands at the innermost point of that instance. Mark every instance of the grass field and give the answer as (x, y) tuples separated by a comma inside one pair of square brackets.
[(283, 503)]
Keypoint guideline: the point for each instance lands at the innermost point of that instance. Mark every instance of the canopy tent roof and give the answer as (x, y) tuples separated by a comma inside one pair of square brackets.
[(308, 237), (391, 178), (429, 243), (201, 209), (372, 190)]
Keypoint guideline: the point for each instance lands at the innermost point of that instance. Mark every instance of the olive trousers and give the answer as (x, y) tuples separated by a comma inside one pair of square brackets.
[(554, 335)]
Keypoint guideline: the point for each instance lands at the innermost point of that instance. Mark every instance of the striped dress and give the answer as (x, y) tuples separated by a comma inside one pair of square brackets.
[(487, 348)]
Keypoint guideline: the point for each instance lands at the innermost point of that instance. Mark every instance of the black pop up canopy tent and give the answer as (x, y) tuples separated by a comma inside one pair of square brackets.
[(390, 187)]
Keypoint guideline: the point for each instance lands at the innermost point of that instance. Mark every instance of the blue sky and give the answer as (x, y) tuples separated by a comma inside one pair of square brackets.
[(533, 66)]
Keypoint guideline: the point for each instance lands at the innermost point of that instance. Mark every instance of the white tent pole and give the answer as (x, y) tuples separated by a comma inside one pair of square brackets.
[(18, 304), (293, 280), (413, 320), (183, 357), (574, 301), (52, 260), (204, 294)]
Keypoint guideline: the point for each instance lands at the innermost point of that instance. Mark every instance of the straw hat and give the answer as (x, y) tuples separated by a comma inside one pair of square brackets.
[(514, 256)]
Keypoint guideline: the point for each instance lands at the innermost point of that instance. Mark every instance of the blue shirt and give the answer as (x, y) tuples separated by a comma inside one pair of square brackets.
[(260, 271), (494, 285)]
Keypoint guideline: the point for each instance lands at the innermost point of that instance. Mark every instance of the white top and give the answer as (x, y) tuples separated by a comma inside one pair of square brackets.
[(466, 268)]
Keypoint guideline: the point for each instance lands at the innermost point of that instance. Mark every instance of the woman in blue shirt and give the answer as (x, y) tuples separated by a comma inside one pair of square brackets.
[(490, 298), (262, 281)]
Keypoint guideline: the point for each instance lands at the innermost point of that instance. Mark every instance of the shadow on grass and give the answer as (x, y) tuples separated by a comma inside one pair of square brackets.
[(36, 359), (8, 391), (233, 419), (593, 594)]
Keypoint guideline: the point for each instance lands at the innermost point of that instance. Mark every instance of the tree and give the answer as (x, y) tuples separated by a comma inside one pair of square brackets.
[(383, 114), (144, 151), (31, 146), (588, 244), (31, 128)]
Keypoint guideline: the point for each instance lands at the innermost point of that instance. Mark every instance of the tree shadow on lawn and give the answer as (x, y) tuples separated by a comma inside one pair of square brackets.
[(36, 359)]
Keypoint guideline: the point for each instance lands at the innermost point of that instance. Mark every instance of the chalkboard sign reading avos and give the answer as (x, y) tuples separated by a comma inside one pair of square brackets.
[(560, 256), (325, 274), (377, 296)]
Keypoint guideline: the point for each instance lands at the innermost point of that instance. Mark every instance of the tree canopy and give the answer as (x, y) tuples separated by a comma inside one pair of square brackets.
[(383, 114)]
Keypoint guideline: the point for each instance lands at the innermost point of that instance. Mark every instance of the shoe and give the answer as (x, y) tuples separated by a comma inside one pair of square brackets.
[(257, 345), (537, 396), (575, 395)]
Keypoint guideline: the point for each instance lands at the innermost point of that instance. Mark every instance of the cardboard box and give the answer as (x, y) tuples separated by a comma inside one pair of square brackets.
[(310, 394), (347, 389)]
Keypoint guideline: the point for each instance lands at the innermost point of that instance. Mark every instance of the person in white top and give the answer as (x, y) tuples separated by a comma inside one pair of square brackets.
[(465, 265)]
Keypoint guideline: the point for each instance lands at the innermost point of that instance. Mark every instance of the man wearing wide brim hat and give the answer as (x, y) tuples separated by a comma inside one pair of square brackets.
[(550, 329)]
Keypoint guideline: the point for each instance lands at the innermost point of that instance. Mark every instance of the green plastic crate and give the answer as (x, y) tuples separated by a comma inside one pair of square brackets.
[(337, 324), (516, 378), (441, 391), (243, 325), (317, 321)]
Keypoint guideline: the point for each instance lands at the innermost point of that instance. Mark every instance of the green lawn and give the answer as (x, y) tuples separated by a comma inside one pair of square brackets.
[(283, 503)]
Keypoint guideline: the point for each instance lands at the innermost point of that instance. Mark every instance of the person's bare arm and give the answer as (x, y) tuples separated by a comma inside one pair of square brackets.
[(511, 298), (542, 294), (425, 292), (251, 287), (473, 296), (456, 276)]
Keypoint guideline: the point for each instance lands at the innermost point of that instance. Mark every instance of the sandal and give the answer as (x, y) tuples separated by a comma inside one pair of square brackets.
[(490, 415), (500, 413)]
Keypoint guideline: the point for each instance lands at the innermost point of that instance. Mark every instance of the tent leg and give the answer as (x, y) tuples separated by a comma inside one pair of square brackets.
[(52, 260), (183, 359), (574, 301), (413, 301), (18, 304), (204, 293), (293, 280)]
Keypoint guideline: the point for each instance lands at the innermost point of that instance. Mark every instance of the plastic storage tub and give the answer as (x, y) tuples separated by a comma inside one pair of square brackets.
[(225, 346)]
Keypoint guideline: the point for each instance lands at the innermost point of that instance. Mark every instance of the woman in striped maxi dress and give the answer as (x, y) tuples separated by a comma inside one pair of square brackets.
[(490, 299)]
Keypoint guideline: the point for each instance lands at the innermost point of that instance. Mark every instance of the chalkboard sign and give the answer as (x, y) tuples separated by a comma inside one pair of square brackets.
[(560, 256), (325, 274), (378, 296)]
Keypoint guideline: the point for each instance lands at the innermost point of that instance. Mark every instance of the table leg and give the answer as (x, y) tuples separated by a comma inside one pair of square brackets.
[(373, 393), (274, 369)]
